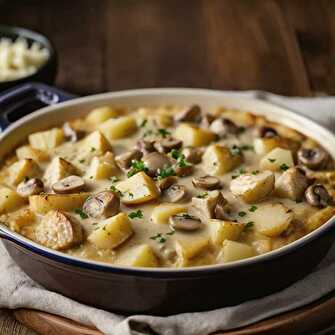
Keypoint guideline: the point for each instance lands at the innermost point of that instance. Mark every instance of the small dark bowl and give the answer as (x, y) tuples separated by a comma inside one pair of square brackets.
[(47, 72)]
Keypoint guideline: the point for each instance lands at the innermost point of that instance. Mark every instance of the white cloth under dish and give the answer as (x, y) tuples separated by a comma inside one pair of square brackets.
[(17, 290)]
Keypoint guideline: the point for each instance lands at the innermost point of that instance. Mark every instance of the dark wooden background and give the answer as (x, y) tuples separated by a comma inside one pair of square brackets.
[(284, 46)]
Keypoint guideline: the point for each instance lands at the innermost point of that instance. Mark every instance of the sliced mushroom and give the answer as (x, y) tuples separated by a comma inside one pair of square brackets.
[(313, 158), (71, 133), (165, 183), (193, 155), (318, 196), (292, 184), (165, 145), (176, 193), (102, 205), (267, 132), (223, 127), (123, 161), (206, 182), (190, 114), (71, 184), (221, 210), (145, 146), (206, 120), (203, 205), (30, 187), (185, 222), (183, 170), (57, 231), (156, 162)]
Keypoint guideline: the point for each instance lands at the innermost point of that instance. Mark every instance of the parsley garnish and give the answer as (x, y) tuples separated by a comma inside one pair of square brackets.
[(284, 167), (136, 215), (80, 212), (148, 133), (271, 160), (242, 213), (114, 179), (143, 123), (235, 150), (246, 147), (163, 132), (136, 166), (26, 178), (82, 161), (115, 190), (93, 149), (171, 232), (167, 172), (248, 225), (159, 238), (202, 195), (175, 153), (255, 172), (253, 208)]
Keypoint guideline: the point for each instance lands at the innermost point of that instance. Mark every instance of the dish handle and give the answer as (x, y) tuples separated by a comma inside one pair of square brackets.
[(23, 99)]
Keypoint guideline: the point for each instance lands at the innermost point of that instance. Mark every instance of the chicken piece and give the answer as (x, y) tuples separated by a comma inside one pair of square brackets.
[(57, 231)]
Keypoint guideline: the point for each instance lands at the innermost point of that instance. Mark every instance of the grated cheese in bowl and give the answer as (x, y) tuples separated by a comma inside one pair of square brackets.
[(18, 59)]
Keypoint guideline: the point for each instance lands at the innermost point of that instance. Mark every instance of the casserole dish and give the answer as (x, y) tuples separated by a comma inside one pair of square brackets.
[(158, 291)]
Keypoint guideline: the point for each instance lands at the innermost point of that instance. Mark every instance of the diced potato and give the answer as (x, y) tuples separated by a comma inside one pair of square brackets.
[(277, 159), (46, 140), (262, 246), (95, 144), (44, 203), (189, 246), (193, 136), (138, 189), (22, 169), (26, 151), (58, 169), (271, 219), (220, 231), (162, 212), (101, 114), (319, 218), (233, 251), (9, 200), (218, 160), (141, 255), (102, 167), (24, 218), (119, 127), (265, 145), (245, 119), (112, 232), (253, 188)]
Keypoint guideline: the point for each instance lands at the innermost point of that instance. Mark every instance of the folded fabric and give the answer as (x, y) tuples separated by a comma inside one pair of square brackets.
[(17, 290)]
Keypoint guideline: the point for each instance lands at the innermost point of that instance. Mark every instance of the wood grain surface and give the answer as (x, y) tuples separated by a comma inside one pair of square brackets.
[(283, 46)]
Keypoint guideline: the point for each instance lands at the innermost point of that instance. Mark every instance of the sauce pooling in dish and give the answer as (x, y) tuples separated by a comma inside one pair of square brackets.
[(167, 186)]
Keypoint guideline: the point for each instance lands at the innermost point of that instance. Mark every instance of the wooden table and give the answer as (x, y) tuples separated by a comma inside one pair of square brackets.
[(285, 46)]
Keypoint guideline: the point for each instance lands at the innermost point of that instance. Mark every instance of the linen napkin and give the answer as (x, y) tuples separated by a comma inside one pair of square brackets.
[(18, 291)]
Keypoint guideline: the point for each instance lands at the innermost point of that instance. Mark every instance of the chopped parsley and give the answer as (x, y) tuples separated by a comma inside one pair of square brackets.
[(159, 238), (181, 161), (242, 213), (284, 167), (136, 215), (163, 132), (148, 133), (136, 166), (82, 161), (271, 160), (248, 225), (167, 172), (235, 150), (114, 179), (26, 178), (253, 208), (175, 153), (202, 195), (255, 172), (171, 232), (246, 147), (144, 123), (93, 149), (80, 212), (116, 191)]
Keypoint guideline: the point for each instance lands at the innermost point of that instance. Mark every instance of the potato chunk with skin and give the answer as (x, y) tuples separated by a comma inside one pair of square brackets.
[(163, 212), (9, 200), (277, 160), (141, 255), (220, 231), (44, 203), (95, 144), (138, 189), (271, 219), (25, 168), (26, 151), (119, 127), (58, 169), (253, 188), (24, 218), (319, 218), (101, 114), (265, 145), (193, 136), (190, 245), (233, 251), (46, 140), (112, 232), (102, 167), (218, 160), (58, 231)]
